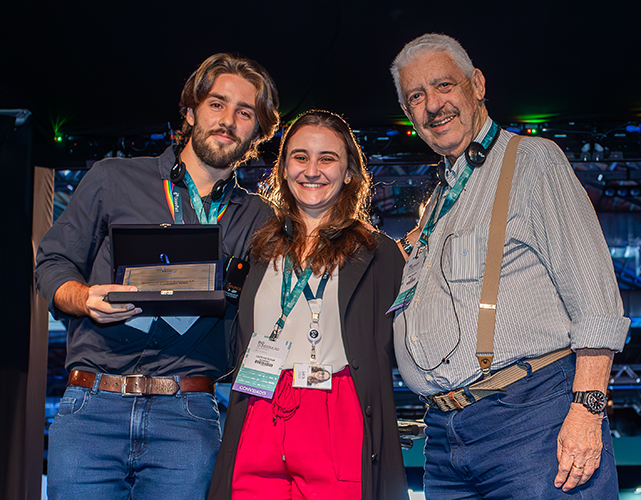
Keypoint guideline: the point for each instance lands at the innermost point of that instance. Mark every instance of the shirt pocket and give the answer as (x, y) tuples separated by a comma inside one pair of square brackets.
[(464, 255)]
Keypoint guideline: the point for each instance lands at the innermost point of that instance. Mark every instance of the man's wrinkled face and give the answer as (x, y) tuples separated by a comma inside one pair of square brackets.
[(444, 106)]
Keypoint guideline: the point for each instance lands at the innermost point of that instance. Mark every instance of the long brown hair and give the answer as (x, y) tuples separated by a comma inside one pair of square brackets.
[(343, 229), (200, 82)]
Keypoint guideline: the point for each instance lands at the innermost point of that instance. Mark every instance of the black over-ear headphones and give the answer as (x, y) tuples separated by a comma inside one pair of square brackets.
[(440, 172), (329, 233), (475, 154), (177, 174), (178, 170), (288, 227), (219, 188)]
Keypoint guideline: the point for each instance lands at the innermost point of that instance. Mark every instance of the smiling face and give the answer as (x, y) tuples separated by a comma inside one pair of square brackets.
[(225, 123), (444, 105), (315, 171)]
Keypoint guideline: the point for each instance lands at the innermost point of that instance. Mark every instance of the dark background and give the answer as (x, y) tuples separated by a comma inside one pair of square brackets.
[(113, 67)]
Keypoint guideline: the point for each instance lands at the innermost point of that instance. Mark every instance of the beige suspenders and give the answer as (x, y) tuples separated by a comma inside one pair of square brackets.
[(490, 384), (490, 287), (494, 258)]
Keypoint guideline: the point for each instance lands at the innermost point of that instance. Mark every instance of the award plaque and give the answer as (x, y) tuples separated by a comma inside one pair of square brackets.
[(200, 277), (176, 269)]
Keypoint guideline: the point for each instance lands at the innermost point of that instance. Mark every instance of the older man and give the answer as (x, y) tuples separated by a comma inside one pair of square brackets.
[(541, 433), (139, 418)]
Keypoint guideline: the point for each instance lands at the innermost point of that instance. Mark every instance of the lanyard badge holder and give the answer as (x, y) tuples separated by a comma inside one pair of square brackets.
[(314, 375), (266, 354)]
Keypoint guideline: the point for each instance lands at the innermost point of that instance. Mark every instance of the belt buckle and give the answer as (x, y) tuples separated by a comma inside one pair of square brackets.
[(123, 386)]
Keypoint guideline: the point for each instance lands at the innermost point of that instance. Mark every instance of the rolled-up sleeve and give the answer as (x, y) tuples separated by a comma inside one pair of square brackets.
[(571, 245)]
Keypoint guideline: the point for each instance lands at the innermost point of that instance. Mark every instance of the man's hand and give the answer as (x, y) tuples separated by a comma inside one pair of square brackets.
[(579, 448), (579, 442), (415, 233), (78, 299)]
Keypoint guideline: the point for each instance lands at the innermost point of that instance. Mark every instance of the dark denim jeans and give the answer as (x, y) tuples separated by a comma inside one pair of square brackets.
[(103, 446), (504, 446)]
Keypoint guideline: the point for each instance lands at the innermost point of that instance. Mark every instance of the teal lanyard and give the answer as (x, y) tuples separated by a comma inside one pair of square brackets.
[(455, 192), (197, 203), (289, 298)]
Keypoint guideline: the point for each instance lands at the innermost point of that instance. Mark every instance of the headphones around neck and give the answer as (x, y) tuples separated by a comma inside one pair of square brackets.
[(329, 233), (288, 227), (475, 155), (218, 190), (177, 174)]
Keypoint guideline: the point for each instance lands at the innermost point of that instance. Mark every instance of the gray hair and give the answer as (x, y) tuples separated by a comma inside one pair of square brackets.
[(430, 42)]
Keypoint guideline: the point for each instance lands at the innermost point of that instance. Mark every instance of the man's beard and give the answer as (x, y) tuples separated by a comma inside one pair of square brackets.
[(218, 157)]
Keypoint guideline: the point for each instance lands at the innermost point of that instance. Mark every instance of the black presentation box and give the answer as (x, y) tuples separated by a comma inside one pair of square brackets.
[(149, 245)]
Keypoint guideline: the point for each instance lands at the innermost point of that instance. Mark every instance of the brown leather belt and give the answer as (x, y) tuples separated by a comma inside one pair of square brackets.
[(459, 399), (142, 385)]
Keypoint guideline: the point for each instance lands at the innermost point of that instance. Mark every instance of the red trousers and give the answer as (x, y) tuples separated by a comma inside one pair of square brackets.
[(302, 444)]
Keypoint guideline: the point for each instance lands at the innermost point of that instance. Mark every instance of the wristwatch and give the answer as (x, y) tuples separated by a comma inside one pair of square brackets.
[(594, 401), (407, 246)]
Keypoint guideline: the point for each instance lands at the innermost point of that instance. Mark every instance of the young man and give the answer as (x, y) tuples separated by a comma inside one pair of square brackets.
[(162, 442)]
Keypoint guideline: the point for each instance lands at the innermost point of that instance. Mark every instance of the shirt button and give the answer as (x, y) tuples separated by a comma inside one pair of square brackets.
[(428, 377), (413, 338), (440, 233), (428, 265), (368, 411), (417, 299)]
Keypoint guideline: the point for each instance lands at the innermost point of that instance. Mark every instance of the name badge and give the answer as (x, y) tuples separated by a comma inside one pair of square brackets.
[(411, 274), (312, 376), (262, 365)]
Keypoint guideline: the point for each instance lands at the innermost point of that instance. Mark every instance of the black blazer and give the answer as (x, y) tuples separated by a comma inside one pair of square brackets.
[(367, 286)]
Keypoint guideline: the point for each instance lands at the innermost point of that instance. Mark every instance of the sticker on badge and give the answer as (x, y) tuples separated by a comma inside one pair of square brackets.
[(262, 365), (313, 376)]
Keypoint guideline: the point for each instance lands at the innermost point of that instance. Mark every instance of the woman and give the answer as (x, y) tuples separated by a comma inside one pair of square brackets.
[(310, 441)]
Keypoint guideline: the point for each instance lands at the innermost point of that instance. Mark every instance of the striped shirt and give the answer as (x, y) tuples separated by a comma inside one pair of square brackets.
[(557, 286)]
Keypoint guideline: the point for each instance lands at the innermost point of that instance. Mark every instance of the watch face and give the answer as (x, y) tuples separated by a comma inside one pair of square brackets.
[(595, 401)]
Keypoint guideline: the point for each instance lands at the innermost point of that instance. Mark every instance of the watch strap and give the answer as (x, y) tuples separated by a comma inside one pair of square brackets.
[(407, 246), (594, 401)]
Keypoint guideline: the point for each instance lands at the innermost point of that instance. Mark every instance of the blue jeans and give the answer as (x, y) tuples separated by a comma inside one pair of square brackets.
[(504, 446), (103, 446)]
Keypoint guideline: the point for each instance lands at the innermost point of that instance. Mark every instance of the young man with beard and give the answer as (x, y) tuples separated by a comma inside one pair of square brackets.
[(163, 442)]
